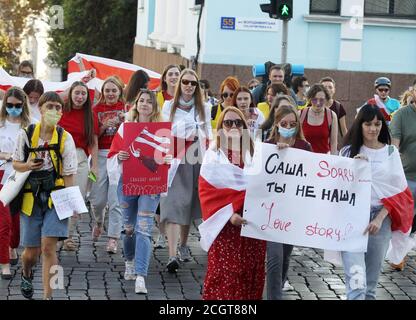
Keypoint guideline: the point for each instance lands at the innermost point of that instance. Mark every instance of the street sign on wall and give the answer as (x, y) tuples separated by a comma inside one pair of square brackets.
[(248, 24)]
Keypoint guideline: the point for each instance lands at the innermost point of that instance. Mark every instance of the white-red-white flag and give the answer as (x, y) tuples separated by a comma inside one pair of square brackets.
[(222, 189), (109, 67)]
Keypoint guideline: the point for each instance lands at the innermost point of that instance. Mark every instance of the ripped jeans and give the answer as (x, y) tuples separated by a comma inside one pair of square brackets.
[(362, 269), (138, 218)]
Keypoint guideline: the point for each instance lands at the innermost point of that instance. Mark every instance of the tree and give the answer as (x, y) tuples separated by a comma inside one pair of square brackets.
[(13, 18), (102, 28)]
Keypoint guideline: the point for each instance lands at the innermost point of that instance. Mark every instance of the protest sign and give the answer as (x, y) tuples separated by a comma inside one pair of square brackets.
[(145, 171), (308, 199), (67, 201)]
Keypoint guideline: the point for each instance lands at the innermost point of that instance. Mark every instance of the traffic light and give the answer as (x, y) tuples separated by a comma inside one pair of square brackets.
[(284, 9), (279, 9)]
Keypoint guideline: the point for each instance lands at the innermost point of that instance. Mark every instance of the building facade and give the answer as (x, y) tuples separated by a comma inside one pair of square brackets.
[(354, 41)]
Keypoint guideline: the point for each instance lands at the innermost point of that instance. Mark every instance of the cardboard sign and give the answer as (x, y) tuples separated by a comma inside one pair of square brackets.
[(308, 199), (145, 171)]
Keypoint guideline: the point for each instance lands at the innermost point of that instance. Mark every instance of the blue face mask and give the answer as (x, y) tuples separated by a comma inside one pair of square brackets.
[(14, 112), (287, 133)]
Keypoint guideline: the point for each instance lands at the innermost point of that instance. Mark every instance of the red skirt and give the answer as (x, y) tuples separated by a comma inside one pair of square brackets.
[(236, 269)]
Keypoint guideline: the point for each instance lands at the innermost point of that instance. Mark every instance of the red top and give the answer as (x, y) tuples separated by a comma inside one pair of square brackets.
[(166, 96), (102, 113), (317, 136), (73, 122)]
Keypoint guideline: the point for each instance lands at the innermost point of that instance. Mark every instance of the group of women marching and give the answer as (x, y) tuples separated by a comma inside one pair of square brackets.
[(63, 140)]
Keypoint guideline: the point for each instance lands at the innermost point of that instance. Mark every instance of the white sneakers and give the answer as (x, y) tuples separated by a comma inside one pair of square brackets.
[(287, 287), (140, 286), (130, 273)]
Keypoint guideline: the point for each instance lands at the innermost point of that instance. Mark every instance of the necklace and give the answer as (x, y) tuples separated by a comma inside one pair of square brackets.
[(317, 113)]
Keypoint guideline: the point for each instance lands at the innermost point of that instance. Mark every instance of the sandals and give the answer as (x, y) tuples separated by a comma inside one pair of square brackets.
[(69, 245)]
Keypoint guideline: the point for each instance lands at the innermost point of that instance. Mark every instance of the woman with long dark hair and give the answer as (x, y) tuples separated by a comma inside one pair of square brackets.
[(77, 119), (391, 209), (139, 80)]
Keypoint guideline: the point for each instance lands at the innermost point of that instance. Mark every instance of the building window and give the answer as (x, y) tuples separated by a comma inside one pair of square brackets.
[(325, 7), (390, 8)]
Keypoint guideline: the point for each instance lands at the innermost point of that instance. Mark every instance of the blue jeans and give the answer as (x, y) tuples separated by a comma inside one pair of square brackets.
[(362, 269), (412, 187), (138, 218), (278, 259)]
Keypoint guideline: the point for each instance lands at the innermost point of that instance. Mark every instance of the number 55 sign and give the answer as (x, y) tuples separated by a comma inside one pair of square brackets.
[(228, 23)]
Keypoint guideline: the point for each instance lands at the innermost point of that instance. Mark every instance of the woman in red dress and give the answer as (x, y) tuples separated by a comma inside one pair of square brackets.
[(236, 268)]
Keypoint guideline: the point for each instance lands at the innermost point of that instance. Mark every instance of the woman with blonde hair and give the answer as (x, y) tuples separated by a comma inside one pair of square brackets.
[(191, 124), (14, 115), (108, 116), (138, 210), (235, 268)]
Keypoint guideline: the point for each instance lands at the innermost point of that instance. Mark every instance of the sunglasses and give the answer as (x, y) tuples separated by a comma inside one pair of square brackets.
[(26, 72), (229, 123), (188, 82), (252, 87), (316, 100), (383, 90), (225, 95), (16, 106)]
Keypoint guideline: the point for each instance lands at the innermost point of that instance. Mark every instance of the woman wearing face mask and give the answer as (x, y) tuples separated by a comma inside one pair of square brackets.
[(319, 123), (273, 90), (227, 88), (286, 132), (168, 82), (138, 211), (49, 152), (243, 100), (190, 122), (34, 89), (14, 115), (108, 115), (267, 125), (77, 119)]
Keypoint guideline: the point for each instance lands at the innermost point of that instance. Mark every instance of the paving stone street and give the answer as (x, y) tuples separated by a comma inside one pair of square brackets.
[(92, 274)]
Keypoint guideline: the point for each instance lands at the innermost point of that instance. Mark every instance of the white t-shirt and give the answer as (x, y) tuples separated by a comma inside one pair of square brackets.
[(35, 113), (375, 157), (69, 155), (8, 137)]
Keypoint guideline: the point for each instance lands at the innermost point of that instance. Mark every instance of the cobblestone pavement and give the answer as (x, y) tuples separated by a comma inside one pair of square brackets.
[(92, 274)]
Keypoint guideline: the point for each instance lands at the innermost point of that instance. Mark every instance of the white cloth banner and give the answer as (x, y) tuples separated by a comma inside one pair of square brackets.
[(308, 199), (67, 201)]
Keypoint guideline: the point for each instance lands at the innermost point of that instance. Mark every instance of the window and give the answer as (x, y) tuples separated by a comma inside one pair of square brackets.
[(390, 8), (325, 7)]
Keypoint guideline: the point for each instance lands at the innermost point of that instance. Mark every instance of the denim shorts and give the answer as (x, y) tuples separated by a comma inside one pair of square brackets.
[(42, 225)]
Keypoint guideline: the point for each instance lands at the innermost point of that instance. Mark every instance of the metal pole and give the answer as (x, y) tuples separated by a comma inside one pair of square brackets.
[(285, 32)]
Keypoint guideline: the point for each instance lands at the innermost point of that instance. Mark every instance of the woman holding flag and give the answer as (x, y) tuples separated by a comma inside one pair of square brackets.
[(235, 263), (191, 128), (391, 211), (138, 210)]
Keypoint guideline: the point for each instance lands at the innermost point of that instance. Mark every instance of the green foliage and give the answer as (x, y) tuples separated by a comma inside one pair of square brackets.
[(13, 19), (103, 28)]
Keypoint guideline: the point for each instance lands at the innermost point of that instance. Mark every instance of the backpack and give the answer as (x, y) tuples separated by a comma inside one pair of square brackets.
[(16, 204)]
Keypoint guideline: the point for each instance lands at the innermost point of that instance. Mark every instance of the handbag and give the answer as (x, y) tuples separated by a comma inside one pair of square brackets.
[(13, 185)]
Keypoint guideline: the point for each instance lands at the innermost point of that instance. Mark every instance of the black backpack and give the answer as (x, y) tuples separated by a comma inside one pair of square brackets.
[(16, 204)]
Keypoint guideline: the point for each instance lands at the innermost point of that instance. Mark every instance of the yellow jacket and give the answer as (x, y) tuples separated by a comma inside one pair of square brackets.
[(28, 199), (264, 108)]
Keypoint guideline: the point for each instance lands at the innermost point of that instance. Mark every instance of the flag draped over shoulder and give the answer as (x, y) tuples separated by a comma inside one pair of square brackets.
[(390, 185), (109, 67), (222, 188)]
